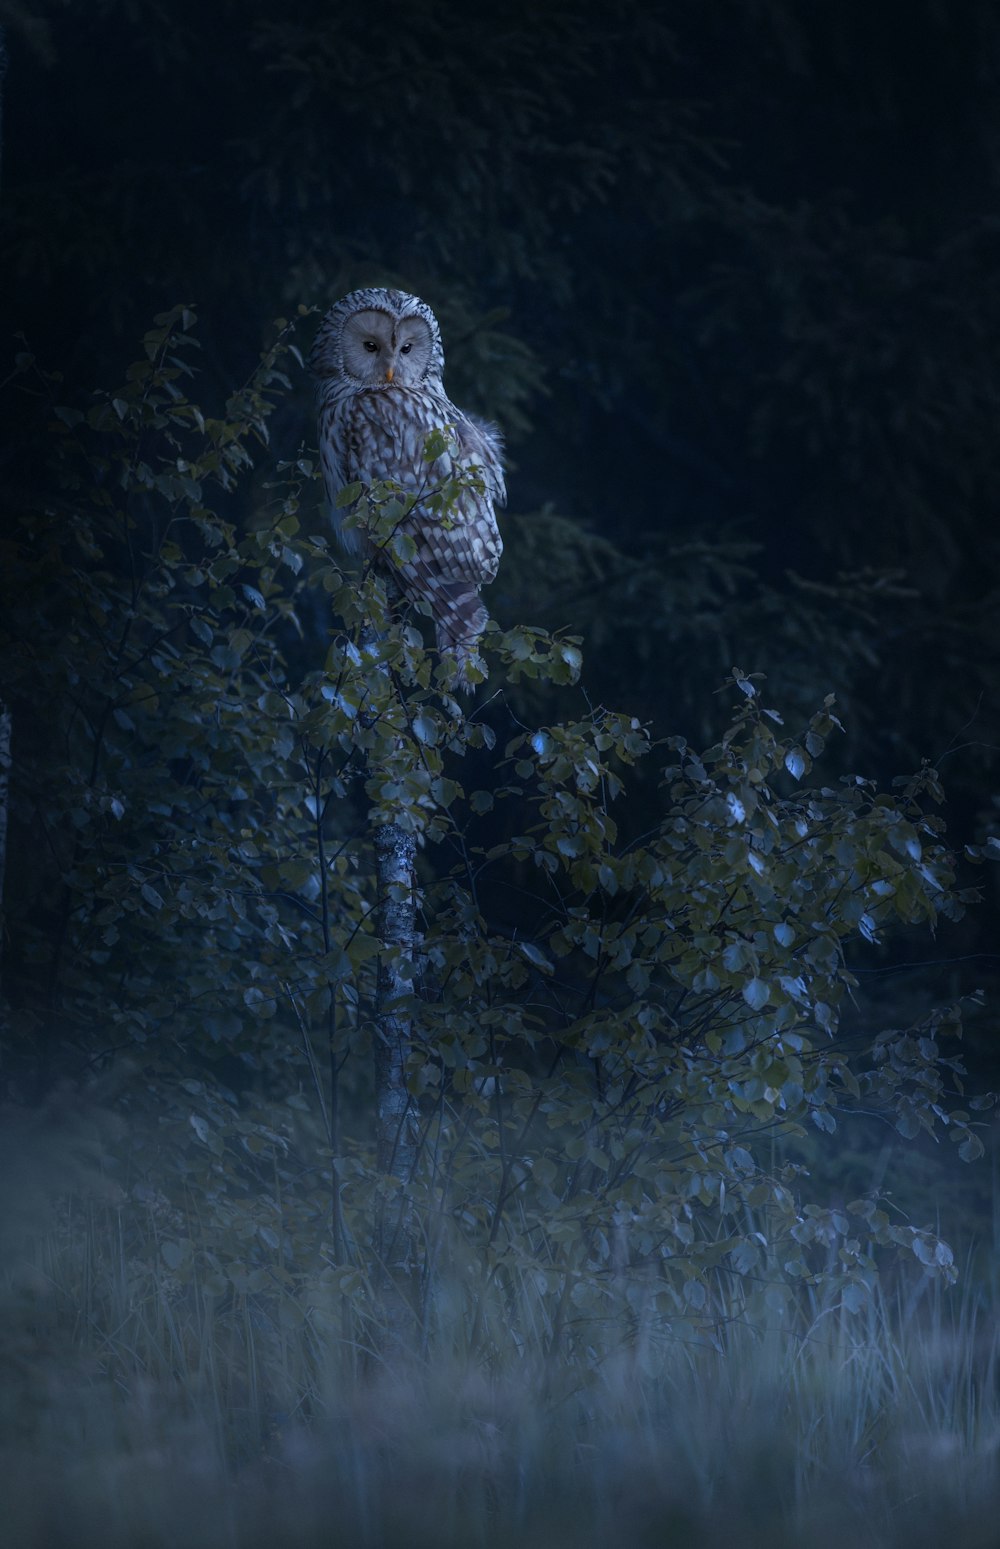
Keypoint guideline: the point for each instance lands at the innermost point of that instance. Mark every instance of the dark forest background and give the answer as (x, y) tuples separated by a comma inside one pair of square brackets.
[(725, 276), (682, 1028)]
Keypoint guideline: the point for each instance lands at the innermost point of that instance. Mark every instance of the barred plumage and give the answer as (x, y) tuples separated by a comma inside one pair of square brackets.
[(379, 361)]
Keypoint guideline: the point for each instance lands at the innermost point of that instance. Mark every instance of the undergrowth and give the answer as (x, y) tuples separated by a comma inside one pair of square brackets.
[(140, 1410)]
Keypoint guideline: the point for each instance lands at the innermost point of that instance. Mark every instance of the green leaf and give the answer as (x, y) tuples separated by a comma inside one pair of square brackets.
[(348, 495), (756, 994), (797, 763), (425, 728), (695, 1294), (537, 956), (571, 656), (174, 1254)]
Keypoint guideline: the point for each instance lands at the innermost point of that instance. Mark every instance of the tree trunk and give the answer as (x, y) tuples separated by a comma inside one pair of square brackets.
[(396, 1125), (396, 1120)]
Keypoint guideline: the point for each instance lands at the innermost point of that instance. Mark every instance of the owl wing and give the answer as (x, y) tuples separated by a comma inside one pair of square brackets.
[(445, 573), (455, 557), (481, 444)]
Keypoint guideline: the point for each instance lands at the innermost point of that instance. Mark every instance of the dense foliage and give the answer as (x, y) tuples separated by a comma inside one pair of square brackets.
[(607, 1021)]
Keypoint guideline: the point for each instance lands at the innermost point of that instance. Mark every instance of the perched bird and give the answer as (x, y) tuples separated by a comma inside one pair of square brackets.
[(379, 362)]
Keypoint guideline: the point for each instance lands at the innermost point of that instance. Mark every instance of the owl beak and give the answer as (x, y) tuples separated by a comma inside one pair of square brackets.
[(390, 372)]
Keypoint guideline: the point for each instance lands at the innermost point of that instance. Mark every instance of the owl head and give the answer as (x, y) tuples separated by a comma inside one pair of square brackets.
[(378, 339)]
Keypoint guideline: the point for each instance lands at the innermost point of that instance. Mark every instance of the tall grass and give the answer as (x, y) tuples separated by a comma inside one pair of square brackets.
[(139, 1409)]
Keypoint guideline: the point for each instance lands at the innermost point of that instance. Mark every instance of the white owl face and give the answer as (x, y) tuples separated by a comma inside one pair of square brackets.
[(371, 333), (380, 350)]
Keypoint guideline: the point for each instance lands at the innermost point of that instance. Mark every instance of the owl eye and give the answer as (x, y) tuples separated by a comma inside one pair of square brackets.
[(406, 349), (371, 346)]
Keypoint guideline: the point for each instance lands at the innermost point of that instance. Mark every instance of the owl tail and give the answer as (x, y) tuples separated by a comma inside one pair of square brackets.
[(461, 619)]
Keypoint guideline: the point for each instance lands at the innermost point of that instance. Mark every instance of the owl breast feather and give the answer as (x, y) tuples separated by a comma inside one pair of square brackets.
[(377, 436)]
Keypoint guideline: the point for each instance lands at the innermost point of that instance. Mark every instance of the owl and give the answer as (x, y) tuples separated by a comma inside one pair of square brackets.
[(379, 363)]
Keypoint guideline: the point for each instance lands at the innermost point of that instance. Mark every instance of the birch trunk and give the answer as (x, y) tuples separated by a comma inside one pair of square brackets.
[(396, 1127), (396, 1120)]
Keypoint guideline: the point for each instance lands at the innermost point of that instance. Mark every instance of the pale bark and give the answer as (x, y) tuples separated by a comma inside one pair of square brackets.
[(396, 1117), (396, 1126)]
